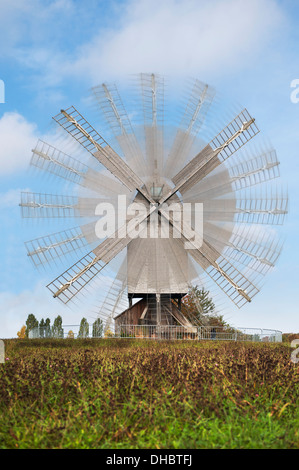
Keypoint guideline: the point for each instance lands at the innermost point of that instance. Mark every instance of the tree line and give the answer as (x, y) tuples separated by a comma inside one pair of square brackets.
[(46, 330), (196, 304)]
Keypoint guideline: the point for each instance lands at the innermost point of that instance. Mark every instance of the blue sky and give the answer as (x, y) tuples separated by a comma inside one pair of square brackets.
[(52, 52)]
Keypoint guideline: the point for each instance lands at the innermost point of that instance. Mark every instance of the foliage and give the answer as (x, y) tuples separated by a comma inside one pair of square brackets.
[(83, 329), (42, 325), (198, 304), (31, 323), (70, 334), (57, 330), (108, 333), (289, 337), (137, 394), (47, 330), (97, 328), (22, 333), (218, 321)]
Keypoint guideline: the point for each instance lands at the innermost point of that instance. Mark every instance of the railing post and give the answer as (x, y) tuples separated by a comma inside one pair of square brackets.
[(2, 352)]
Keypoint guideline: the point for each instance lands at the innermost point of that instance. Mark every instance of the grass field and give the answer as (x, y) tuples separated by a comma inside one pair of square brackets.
[(130, 394)]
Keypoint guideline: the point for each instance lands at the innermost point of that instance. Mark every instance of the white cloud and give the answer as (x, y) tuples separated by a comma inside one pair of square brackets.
[(173, 37), (181, 38), (17, 137)]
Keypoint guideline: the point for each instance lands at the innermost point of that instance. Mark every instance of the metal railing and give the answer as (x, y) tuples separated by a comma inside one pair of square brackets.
[(197, 333), (164, 332)]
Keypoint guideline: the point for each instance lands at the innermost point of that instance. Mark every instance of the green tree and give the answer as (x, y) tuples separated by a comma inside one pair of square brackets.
[(198, 303), (31, 323), (47, 328), (57, 330), (199, 300), (42, 328), (84, 329), (97, 328)]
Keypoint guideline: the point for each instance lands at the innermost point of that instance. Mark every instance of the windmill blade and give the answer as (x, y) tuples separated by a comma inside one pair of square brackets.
[(266, 211), (48, 158), (152, 87), (103, 184), (77, 126), (259, 262), (109, 100), (43, 250), (254, 171), (243, 246), (87, 206), (35, 205), (114, 298), (248, 173), (234, 284), (196, 110), (200, 100), (228, 141), (269, 210), (219, 209), (117, 306), (72, 281)]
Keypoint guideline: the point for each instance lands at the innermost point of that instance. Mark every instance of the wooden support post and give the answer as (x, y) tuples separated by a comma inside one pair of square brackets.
[(158, 309)]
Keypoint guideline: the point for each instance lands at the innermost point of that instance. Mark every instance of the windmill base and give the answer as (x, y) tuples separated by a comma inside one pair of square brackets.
[(154, 310)]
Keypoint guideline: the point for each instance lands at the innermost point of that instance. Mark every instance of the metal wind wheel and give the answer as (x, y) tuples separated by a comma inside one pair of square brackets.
[(202, 161)]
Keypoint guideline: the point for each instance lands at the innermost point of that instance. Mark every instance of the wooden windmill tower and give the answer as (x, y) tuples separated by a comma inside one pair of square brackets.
[(166, 176)]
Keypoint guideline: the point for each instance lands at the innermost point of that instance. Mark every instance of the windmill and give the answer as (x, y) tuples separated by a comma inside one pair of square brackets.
[(172, 178)]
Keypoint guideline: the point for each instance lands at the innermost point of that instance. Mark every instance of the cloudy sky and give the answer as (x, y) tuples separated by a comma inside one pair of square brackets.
[(53, 51)]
